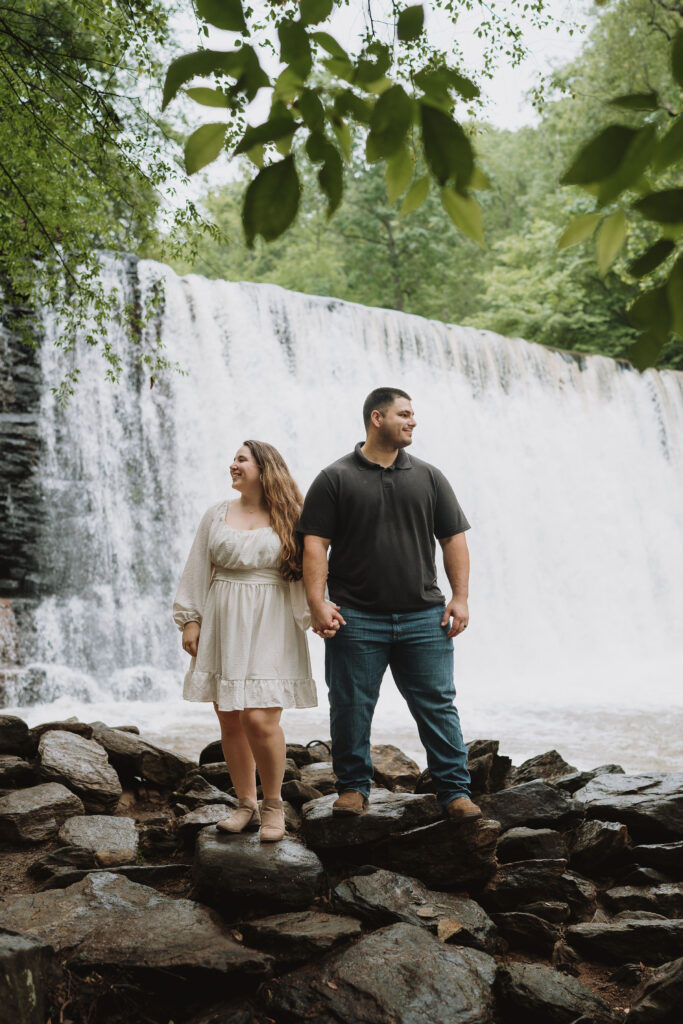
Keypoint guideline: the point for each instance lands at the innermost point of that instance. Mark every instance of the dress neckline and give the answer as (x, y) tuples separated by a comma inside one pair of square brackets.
[(236, 529)]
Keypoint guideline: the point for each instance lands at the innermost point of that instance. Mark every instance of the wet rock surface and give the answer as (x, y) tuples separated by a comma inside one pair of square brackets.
[(82, 766), (236, 872), (319, 776), (393, 769), (665, 899), (134, 757), (527, 931), (664, 856), (660, 998), (536, 804), (111, 840), (293, 939), (651, 941), (107, 919), (531, 844), (537, 994), (188, 826), (27, 971), (524, 882), (549, 766), (16, 772), (384, 897), (398, 975), (597, 843), (651, 805), (34, 814), (387, 813)]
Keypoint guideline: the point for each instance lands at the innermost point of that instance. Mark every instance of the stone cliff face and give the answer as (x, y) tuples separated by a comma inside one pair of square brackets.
[(21, 511)]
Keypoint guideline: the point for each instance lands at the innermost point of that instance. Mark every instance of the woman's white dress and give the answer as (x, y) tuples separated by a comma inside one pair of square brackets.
[(252, 649)]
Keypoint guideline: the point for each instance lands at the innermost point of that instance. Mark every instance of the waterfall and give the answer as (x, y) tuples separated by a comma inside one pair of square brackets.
[(569, 469)]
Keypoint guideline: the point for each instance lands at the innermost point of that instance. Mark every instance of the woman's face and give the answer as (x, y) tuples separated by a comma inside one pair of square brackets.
[(244, 471)]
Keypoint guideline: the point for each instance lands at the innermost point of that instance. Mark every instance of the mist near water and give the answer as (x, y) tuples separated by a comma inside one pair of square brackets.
[(570, 472)]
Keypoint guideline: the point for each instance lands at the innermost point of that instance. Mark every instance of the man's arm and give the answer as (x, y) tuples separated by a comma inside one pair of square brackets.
[(456, 561), (325, 616)]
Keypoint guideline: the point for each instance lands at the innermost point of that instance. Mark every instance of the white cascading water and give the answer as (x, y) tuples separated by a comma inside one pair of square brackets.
[(570, 473)]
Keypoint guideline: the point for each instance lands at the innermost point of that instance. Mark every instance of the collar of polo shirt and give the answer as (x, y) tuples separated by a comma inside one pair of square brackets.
[(402, 460)]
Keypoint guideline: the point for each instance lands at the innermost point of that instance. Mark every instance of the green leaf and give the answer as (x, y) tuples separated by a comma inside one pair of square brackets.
[(447, 148), (330, 44), (665, 207), (609, 240), (331, 178), (650, 311), (316, 147), (257, 155), (271, 201), (270, 131), (578, 230), (415, 196), (295, 47), (645, 351), (226, 14), (670, 146), (369, 70), (311, 109), (339, 68), (677, 57), (636, 101), (398, 174), (391, 118), (192, 65), (203, 146), (437, 83), (479, 179), (651, 258), (674, 291), (209, 97), (251, 77), (343, 133), (287, 86), (313, 11), (632, 166), (348, 104), (410, 23), (465, 212), (600, 157)]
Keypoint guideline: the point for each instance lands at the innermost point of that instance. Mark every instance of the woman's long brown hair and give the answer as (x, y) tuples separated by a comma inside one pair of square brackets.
[(284, 501)]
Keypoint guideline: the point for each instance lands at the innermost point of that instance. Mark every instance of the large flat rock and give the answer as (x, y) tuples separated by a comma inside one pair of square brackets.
[(524, 881), (665, 899), (111, 840), (537, 994), (34, 814), (628, 941), (135, 757), (397, 975), (387, 813), (447, 855), (105, 919), (524, 843), (384, 897), (536, 804), (667, 857), (82, 766), (238, 872), (660, 998), (651, 805), (528, 931), (294, 939)]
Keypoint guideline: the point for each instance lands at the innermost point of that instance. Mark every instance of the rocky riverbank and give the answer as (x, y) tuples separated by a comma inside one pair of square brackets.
[(119, 900)]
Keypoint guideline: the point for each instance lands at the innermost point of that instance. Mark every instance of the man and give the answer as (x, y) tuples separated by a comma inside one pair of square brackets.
[(381, 510)]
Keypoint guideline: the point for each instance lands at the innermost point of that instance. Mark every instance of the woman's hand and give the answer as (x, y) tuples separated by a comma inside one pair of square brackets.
[(191, 638)]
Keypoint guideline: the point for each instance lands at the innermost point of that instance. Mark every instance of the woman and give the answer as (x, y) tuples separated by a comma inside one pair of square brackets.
[(241, 607)]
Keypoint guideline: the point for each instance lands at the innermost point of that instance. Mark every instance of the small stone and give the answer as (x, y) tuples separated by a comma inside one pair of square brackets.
[(34, 814), (195, 792), (550, 910), (216, 772), (189, 825), (580, 893), (597, 844), (526, 931), (81, 765), (299, 793), (384, 897), (536, 993), (14, 736), (549, 767), (15, 772), (320, 776), (212, 753), (112, 840), (531, 844), (392, 769), (294, 939)]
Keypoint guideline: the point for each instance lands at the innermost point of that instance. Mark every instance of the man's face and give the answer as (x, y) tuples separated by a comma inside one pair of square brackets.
[(398, 424)]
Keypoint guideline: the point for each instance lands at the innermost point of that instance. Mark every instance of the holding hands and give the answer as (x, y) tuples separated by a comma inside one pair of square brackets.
[(326, 619)]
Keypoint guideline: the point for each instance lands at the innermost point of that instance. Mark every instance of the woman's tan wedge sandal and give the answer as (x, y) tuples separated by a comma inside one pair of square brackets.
[(272, 821)]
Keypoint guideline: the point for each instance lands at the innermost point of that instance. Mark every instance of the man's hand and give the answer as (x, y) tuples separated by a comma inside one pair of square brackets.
[(456, 609), (326, 619), (191, 638)]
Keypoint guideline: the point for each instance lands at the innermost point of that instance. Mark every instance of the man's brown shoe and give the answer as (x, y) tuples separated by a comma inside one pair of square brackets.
[(462, 809), (348, 803)]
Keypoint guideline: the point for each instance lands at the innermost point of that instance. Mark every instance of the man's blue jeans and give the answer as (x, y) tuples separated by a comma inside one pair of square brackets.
[(420, 654)]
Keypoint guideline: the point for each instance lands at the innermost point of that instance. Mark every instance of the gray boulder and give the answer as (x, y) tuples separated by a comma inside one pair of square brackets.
[(549, 767), (651, 805), (27, 970), (577, 780), (134, 757), (105, 919), (535, 804), (665, 899), (660, 998), (597, 844), (32, 815), (188, 826), (14, 736), (387, 813), (531, 844), (82, 766), (299, 793), (628, 941), (237, 872), (294, 939), (111, 840), (524, 881), (216, 772), (384, 897), (392, 769), (15, 772), (666, 857), (67, 725), (196, 791), (527, 931), (397, 975), (320, 776), (537, 994)]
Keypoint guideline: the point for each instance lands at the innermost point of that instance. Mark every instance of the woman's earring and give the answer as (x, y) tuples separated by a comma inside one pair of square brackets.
[(260, 476)]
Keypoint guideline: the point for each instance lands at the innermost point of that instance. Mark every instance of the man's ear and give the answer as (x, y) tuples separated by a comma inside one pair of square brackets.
[(376, 418)]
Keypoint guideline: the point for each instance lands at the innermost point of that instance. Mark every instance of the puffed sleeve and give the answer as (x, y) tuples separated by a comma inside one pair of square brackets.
[(196, 579)]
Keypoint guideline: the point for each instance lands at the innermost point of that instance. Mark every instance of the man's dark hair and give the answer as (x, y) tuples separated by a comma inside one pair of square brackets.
[(381, 399)]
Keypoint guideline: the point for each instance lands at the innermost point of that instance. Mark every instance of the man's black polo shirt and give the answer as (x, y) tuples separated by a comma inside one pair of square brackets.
[(382, 522)]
